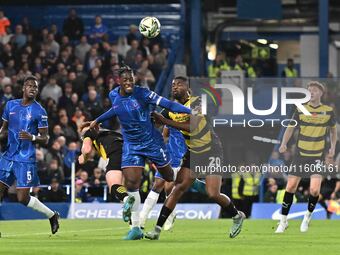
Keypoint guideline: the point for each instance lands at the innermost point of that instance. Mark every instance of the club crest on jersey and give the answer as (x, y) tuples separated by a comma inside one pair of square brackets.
[(134, 104)]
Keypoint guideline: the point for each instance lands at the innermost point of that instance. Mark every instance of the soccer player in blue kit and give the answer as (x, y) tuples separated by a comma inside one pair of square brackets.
[(131, 104), (176, 148), (26, 122)]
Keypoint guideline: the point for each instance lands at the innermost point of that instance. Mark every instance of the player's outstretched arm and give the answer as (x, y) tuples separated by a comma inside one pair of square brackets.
[(173, 106), (179, 125), (105, 116), (155, 99)]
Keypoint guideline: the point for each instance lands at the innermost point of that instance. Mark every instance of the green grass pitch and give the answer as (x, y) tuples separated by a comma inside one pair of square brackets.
[(188, 237)]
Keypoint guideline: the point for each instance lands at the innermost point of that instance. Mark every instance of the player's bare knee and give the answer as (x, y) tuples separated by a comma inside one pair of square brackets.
[(314, 191), (212, 193), (132, 184), (291, 187)]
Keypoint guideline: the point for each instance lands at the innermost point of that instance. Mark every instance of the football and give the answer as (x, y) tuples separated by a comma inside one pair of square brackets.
[(150, 27)]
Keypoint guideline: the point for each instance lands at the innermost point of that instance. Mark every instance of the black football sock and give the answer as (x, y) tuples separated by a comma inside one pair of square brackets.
[(119, 191), (164, 214), (312, 201), (287, 203), (231, 209), (323, 204)]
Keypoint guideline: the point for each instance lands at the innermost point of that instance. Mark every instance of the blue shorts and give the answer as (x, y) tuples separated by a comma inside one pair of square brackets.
[(25, 173), (134, 155)]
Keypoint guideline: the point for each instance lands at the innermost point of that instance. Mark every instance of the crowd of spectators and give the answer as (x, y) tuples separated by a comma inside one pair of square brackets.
[(76, 70)]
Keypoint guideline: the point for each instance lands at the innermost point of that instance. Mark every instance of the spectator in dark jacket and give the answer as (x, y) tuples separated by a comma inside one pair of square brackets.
[(56, 193), (55, 171), (73, 26)]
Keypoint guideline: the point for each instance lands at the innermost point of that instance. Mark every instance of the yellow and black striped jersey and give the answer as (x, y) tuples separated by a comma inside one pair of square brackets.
[(313, 129), (200, 139), (103, 141)]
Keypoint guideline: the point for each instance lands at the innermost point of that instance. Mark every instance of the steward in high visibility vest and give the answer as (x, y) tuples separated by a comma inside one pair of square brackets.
[(251, 184), (289, 71), (218, 65), (235, 185), (243, 66)]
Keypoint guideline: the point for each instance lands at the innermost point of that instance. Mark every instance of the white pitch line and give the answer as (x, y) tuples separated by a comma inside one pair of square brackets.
[(62, 232)]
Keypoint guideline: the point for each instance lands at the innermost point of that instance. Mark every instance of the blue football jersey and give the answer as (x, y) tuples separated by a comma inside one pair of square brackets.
[(176, 146), (133, 112), (22, 118)]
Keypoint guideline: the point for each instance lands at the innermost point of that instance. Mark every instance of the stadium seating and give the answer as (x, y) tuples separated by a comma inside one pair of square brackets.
[(116, 17)]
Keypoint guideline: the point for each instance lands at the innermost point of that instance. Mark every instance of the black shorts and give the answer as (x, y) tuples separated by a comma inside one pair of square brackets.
[(115, 158), (326, 192), (200, 163), (306, 166)]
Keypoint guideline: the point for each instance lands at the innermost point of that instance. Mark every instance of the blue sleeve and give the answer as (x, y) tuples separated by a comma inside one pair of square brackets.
[(153, 98), (112, 96), (42, 119), (173, 106), (5, 114), (106, 115)]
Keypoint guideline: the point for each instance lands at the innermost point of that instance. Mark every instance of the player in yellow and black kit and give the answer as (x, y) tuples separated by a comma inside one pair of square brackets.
[(310, 148), (108, 145), (204, 149)]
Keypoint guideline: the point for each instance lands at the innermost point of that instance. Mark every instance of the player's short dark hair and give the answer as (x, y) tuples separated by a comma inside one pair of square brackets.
[(30, 77), (124, 69), (182, 78)]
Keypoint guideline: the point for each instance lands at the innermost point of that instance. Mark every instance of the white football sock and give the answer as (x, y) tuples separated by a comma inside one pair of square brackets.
[(135, 208), (35, 204), (149, 203), (125, 198)]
